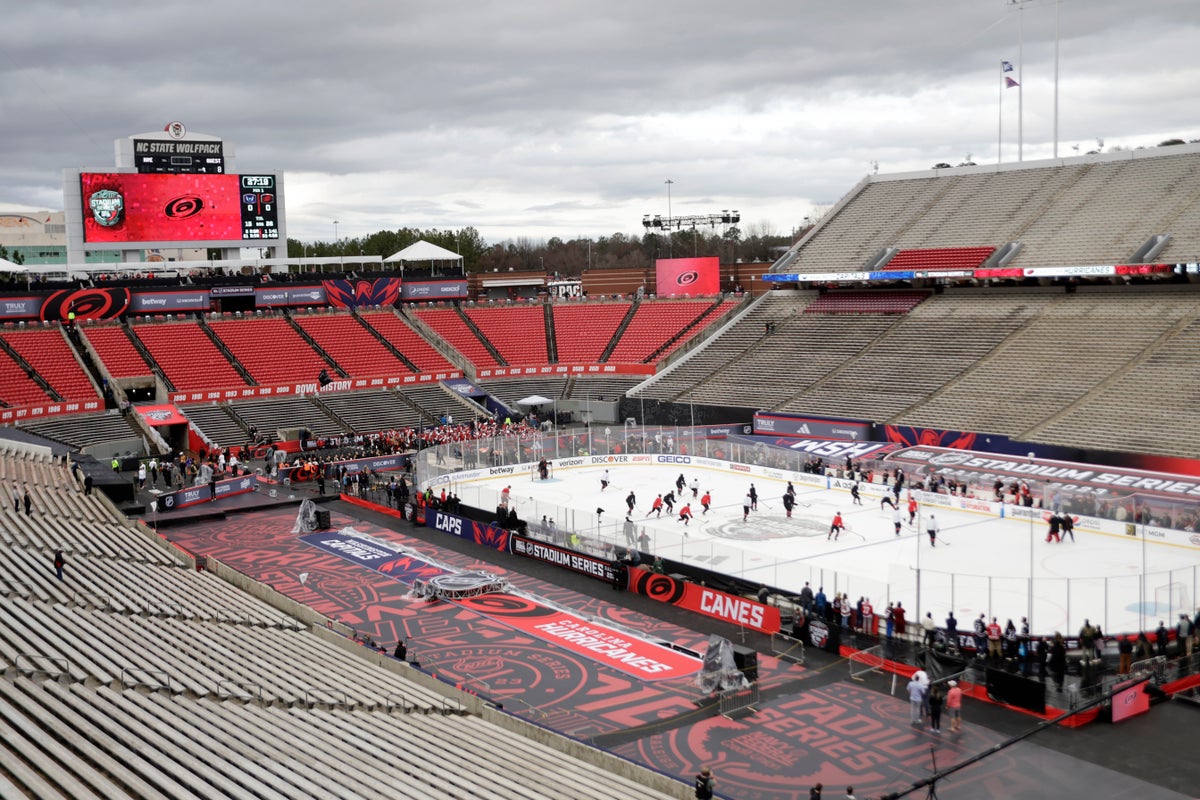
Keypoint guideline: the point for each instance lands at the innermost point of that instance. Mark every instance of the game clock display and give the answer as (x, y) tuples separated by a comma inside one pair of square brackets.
[(130, 207)]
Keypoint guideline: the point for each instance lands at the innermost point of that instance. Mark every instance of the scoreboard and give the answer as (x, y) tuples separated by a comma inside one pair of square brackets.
[(121, 207), (157, 156)]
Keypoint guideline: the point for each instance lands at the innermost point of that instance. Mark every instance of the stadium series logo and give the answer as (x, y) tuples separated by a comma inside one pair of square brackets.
[(107, 206)]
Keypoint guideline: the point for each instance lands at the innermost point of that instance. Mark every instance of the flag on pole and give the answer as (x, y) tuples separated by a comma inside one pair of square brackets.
[(1006, 66), (1009, 82)]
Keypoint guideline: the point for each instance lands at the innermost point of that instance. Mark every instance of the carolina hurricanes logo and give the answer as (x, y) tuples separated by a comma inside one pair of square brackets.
[(107, 303), (687, 278), (183, 207), (930, 437)]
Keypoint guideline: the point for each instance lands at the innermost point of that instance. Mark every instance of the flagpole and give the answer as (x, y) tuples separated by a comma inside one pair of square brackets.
[(1000, 120), (1020, 81), (1057, 14)]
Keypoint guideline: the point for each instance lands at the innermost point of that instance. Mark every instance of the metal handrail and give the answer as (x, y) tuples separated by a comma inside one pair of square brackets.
[(405, 705)]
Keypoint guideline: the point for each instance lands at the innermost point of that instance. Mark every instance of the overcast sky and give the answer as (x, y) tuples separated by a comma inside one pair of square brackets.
[(541, 118)]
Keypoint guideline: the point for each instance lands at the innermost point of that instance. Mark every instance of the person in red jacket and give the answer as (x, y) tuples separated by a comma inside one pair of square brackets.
[(994, 640), (706, 501), (835, 528), (685, 514), (656, 507), (912, 509)]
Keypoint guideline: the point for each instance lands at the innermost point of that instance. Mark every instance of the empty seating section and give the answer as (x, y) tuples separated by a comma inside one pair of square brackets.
[(17, 388), (727, 347), (866, 303), (940, 258), (116, 352), (1080, 214), (1077, 342), (436, 402), (271, 416), (270, 350), (187, 356), (652, 325), (139, 677), (49, 353), (1139, 410), (607, 388), (81, 430), (407, 341), (446, 323), (891, 373), (351, 345), (519, 333), (713, 314), (583, 331), (510, 390), (371, 412), (215, 422)]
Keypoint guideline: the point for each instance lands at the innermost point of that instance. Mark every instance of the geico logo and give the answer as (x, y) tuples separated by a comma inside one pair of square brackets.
[(448, 524), (675, 459)]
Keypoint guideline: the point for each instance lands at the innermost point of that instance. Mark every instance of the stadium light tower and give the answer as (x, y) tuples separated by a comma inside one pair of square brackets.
[(335, 236), (669, 215)]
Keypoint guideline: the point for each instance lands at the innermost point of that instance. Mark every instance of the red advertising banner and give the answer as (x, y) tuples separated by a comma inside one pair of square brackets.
[(157, 416), (289, 390), (706, 601), (608, 646), (1130, 700), (687, 276), (160, 208)]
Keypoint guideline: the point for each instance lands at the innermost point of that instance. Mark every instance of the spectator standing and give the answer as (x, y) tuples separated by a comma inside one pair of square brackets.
[(898, 613), (936, 701), (1058, 660), (916, 693), (1160, 637), (815, 792), (60, 561), (954, 706), (929, 627), (705, 784), (28, 500), (1183, 633)]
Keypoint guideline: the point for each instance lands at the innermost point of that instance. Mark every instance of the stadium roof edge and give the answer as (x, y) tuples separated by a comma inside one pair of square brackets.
[(1096, 158)]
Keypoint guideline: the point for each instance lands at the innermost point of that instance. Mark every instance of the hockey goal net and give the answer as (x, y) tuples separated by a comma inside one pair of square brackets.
[(1171, 599), (535, 472)]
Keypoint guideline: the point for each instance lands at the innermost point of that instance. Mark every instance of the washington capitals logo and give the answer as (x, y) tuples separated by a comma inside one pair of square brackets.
[(353, 294)]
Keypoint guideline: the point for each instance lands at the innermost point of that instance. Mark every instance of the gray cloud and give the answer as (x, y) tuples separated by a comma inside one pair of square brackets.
[(562, 118)]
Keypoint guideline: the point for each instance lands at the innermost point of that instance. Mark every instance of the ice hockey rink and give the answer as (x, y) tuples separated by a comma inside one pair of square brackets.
[(981, 564)]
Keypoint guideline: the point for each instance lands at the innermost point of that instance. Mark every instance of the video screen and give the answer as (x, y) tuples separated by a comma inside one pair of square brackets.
[(129, 207)]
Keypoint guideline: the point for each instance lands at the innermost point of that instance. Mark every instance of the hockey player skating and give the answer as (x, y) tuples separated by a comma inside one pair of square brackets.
[(705, 502), (656, 507), (1054, 521), (791, 490), (747, 504), (695, 488), (753, 493), (912, 509), (604, 481), (836, 527), (789, 501), (897, 520), (631, 501), (886, 500), (932, 528), (680, 483), (669, 502), (1068, 527), (685, 514), (505, 495), (854, 494)]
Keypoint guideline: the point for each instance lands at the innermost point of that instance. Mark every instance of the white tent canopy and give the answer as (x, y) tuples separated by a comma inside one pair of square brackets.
[(423, 251), (534, 400), (8, 266)]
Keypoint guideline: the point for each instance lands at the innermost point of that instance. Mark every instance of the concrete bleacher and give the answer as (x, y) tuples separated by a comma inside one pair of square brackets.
[(83, 430), (1079, 211), (129, 678), (217, 423), (270, 416), (510, 390), (1072, 345), (370, 412), (187, 356)]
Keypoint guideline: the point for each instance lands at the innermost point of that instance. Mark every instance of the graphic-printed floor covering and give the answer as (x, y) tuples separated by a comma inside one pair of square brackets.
[(811, 726)]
